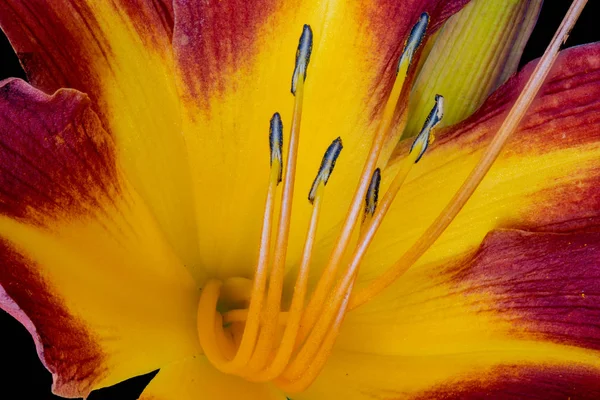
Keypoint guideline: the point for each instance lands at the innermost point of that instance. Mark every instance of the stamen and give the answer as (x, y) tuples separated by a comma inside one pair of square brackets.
[(302, 57), (273, 304), (206, 308), (509, 125), (371, 198), (299, 383), (330, 308), (312, 332), (330, 271), (326, 168), (276, 143), (417, 33), (425, 137), (208, 325), (287, 346)]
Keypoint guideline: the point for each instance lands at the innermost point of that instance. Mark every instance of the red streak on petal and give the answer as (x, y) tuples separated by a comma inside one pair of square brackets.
[(57, 42), (566, 113), (522, 382), (547, 285), (152, 19), (63, 343), (390, 22), (215, 34), (55, 158), (567, 206)]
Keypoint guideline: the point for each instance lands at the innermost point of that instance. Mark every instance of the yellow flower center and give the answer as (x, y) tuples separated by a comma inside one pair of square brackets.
[(263, 343), (244, 342)]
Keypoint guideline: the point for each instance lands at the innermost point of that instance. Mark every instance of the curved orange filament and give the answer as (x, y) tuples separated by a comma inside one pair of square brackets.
[(273, 304), (301, 378), (331, 306), (353, 215), (247, 344), (310, 332), (292, 320)]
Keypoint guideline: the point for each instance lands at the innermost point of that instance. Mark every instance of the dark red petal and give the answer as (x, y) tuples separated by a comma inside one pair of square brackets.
[(566, 115), (63, 343), (83, 264), (52, 164), (212, 36), (60, 43), (516, 383), (519, 318), (560, 117), (545, 284)]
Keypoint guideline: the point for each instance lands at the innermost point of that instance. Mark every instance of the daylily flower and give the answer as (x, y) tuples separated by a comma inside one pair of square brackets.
[(143, 224)]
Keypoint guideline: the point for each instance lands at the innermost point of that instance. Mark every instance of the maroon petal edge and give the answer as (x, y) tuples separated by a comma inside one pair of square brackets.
[(60, 42), (546, 285), (63, 343), (214, 33), (523, 382), (56, 161)]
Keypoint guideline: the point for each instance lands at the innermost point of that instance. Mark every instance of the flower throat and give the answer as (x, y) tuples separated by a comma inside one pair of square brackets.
[(263, 343)]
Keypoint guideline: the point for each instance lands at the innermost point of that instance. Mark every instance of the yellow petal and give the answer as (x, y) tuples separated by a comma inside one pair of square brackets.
[(360, 376), (83, 263), (120, 54), (195, 378), (236, 76), (547, 175), (523, 302)]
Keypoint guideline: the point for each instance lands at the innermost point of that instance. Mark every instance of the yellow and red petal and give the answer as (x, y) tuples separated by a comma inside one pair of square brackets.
[(522, 301), (83, 263), (359, 376), (575, 382), (546, 176), (120, 54), (235, 60), (196, 378), (519, 317), (61, 43)]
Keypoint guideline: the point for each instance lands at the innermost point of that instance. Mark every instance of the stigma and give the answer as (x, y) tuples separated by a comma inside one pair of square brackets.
[(289, 347)]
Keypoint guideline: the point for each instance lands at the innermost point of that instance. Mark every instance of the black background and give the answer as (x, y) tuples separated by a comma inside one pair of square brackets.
[(22, 376)]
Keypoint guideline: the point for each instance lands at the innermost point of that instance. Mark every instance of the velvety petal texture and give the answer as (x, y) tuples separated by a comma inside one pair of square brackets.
[(524, 300), (547, 174), (513, 383), (120, 54), (235, 60), (115, 205), (196, 378), (61, 43), (524, 306), (84, 265)]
